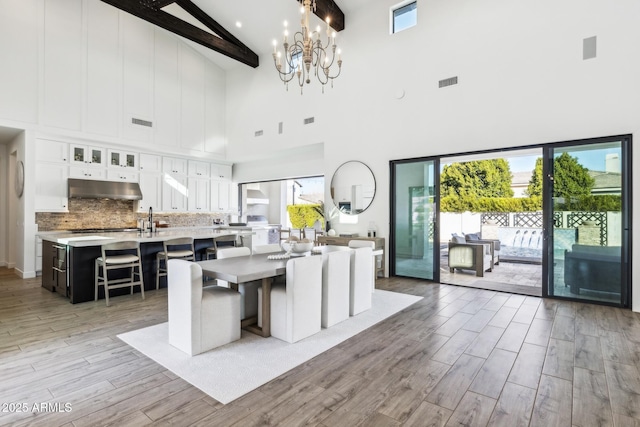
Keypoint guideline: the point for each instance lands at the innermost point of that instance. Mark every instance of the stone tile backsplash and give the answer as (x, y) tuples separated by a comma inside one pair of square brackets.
[(106, 213)]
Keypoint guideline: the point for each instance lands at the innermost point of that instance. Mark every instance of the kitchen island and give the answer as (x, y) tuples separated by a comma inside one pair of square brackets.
[(68, 258)]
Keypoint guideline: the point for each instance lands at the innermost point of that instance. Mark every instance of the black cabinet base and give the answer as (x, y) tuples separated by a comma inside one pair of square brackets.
[(81, 270)]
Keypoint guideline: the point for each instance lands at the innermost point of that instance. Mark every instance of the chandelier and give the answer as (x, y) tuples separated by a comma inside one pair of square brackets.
[(306, 54)]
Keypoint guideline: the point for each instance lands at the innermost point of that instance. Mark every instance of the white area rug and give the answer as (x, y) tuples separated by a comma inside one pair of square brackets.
[(228, 372)]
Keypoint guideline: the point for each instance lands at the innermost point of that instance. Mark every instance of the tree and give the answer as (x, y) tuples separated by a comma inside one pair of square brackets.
[(478, 178), (535, 183), (571, 180)]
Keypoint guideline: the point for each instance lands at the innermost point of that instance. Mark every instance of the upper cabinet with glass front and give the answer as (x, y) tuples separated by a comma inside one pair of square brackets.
[(123, 159), (86, 155)]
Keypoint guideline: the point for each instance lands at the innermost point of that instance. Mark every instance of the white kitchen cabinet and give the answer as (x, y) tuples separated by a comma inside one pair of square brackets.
[(123, 159), (151, 187), (219, 171), (103, 69), (122, 175), (260, 238), (199, 194), (150, 163), (174, 193), (62, 64), (51, 151), (137, 77), (220, 192), (51, 187), (199, 169), (86, 155), (86, 172), (174, 165), (38, 256), (166, 80), (192, 99)]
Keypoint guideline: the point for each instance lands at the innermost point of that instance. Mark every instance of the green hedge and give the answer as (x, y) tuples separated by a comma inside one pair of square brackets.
[(305, 215), (490, 204), (601, 203)]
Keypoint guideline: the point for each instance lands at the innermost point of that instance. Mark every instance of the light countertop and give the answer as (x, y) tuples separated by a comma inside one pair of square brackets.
[(96, 239)]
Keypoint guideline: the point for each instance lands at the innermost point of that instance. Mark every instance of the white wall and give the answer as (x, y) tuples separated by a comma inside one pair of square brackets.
[(20, 243), (522, 81), (4, 207), (81, 70), (84, 69)]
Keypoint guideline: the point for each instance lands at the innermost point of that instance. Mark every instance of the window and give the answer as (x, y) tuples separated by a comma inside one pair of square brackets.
[(404, 16), (296, 61)]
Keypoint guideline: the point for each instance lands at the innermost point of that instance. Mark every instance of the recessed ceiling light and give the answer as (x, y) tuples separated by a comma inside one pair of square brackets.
[(238, 24)]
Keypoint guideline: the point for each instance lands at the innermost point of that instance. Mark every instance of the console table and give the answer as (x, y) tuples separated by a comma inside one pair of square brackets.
[(344, 241)]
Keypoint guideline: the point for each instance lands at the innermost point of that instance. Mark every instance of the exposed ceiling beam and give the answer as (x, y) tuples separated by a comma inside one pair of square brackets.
[(225, 44), (209, 22), (326, 8), (159, 4)]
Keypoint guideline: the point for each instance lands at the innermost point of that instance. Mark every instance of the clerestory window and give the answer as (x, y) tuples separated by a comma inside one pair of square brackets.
[(403, 16)]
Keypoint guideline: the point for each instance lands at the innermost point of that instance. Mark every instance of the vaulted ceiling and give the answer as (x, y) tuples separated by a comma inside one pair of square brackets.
[(200, 25)]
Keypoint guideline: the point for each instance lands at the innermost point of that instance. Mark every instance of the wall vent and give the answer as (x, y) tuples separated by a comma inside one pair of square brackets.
[(280, 128), (258, 133), (309, 120), (141, 122), (448, 82)]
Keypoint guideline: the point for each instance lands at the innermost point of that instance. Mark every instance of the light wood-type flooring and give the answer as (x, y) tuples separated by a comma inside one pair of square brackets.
[(461, 356)]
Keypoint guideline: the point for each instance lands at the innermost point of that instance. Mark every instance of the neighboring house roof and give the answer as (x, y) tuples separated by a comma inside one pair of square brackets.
[(606, 182), (520, 178), (519, 183)]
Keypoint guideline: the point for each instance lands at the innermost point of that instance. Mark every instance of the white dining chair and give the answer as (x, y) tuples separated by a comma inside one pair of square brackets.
[(360, 280), (249, 290), (367, 244), (200, 318), (335, 287), (267, 249), (296, 307)]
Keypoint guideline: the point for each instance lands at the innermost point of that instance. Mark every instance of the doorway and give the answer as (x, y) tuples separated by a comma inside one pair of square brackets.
[(573, 217), (588, 207)]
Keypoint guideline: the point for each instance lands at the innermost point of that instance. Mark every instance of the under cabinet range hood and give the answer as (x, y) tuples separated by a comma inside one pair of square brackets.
[(257, 197), (91, 189)]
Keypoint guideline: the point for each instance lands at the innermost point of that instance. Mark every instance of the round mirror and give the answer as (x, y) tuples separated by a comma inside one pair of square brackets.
[(353, 187)]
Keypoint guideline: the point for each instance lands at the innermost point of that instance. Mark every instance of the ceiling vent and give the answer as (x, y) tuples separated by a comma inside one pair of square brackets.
[(258, 133), (141, 122), (448, 82), (309, 120)]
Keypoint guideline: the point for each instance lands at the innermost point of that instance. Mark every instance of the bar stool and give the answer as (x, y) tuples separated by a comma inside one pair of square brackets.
[(180, 248), (211, 251), (118, 256)]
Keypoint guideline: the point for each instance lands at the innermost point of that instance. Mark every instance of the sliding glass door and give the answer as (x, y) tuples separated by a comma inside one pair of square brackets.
[(415, 252), (587, 220)]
